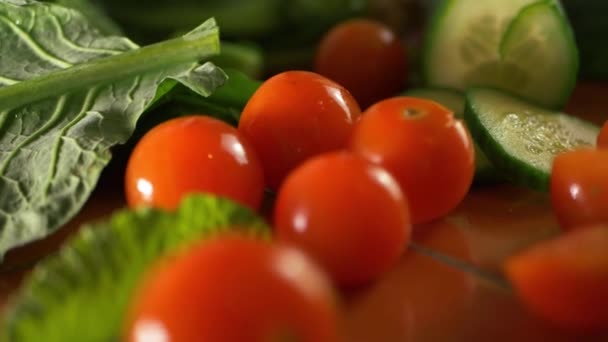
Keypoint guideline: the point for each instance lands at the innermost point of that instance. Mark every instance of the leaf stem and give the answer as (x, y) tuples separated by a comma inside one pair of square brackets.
[(201, 43)]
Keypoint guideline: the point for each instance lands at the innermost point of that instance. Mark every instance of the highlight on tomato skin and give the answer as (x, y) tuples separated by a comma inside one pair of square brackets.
[(231, 289), (347, 213), (565, 280), (296, 115), (579, 187), (193, 154), (366, 57), (425, 148), (602, 139)]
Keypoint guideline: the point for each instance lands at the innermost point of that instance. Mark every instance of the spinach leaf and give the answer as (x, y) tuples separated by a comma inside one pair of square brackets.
[(67, 95), (82, 293)]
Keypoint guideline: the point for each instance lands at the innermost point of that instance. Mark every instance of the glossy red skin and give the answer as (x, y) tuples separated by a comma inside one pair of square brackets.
[(565, 280), (296, 115), (430, 153), (347, 213), (579, 188), (366, 57), (602, 139), (193, 154), (236, 289)]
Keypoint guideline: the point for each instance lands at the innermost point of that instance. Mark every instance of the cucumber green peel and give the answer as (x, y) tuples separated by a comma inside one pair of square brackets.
[(521, 139), (525, 47), (82, 292), (484, 171)]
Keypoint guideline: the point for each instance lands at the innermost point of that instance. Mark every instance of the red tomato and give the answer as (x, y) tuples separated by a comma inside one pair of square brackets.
[(566, 280), (428, 151), (193, 154), (366, 57), (579, 187), (235, 289), (347, 213), (296, 115), (602, 139)]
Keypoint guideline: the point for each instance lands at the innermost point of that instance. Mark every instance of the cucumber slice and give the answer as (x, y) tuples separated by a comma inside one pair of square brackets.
[(521, 139), (523, 46), (454, 100)]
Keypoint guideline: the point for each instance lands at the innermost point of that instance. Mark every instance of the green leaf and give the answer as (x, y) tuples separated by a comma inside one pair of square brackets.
[(69, 95), (82, 293)]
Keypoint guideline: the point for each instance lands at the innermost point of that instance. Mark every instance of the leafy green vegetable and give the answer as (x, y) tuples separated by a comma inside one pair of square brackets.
[(82, 293), (67, 95)]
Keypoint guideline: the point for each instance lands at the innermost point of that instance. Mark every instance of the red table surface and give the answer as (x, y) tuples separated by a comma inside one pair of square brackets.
[(447, 287)]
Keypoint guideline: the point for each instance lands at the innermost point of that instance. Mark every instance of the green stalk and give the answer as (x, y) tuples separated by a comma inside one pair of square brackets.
[(193, 47)]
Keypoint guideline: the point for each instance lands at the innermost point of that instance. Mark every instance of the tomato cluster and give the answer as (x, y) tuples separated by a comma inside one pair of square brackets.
[(350, 186), (349, 189)]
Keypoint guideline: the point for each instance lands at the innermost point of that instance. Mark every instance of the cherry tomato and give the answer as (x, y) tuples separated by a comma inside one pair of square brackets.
[(428, 151), (193, 154), (579, 187), (602, 139), (366, 57), (296, 115), (234, 289), (347, 213), (566, 280)]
